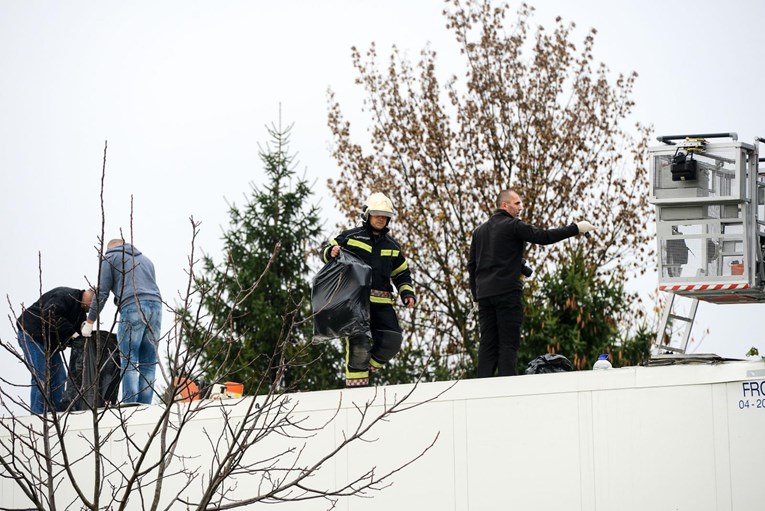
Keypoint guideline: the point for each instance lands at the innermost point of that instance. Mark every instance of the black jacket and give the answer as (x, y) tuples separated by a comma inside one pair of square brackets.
[(53, 318), (382, 253), (496, 251)]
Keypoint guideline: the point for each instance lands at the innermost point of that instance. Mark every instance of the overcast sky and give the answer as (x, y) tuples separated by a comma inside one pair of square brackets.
[(182, 91)]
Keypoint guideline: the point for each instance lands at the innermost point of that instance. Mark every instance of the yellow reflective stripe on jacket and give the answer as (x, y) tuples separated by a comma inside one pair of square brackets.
[(325, 253), (389, 252), (360, 244), (380, 299), (405, 287), (398, 270)]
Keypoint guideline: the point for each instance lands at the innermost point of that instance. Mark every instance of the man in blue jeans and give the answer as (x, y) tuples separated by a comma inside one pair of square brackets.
[(43, 330), (130, 276), (494, 267)]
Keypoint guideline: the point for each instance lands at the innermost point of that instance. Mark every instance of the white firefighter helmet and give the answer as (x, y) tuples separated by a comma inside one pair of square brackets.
[(377, 204)]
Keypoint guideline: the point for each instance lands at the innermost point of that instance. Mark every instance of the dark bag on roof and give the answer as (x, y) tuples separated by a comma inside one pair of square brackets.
[(340, 298), (94, 372), (549, 363)]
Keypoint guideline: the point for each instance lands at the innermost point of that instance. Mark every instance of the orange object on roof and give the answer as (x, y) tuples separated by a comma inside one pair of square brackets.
[(187, 390), (234, 389)]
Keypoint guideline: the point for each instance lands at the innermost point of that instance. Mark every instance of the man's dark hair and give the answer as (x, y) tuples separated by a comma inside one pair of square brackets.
[(504, 196)]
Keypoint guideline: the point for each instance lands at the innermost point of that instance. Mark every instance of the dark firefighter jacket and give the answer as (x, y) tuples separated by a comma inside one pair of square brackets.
[(496, 250), (383, 254), (53, 318)]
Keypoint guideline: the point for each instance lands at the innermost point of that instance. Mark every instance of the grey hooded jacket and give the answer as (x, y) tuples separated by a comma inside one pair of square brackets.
[(129, 275)]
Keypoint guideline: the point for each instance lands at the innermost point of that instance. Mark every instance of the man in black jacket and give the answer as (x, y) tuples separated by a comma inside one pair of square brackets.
[(494, 267), (372, 243), (43, 330)]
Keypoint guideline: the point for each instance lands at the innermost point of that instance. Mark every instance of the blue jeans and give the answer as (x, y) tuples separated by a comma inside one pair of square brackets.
[(138, 334), (48, 374)]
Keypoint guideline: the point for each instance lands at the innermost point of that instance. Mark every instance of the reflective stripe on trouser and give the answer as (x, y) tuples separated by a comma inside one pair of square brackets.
[(361, 352), (386, 334), (385, 345), (357, 357)]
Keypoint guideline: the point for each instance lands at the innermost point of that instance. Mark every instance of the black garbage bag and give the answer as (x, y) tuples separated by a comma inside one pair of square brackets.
[(94, 372), (549, 363), (340, 298)]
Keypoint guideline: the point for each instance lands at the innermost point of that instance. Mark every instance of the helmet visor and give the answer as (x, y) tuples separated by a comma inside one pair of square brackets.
[(377, 212)]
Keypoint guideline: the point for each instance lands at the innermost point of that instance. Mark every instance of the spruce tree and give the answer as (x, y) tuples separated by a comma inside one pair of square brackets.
[(579, 313), (258, 328)]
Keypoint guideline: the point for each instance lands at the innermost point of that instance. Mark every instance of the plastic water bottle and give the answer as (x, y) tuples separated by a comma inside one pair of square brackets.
[(602, 362)]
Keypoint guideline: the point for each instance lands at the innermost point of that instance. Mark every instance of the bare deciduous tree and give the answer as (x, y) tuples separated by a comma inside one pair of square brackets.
[(188, 452)]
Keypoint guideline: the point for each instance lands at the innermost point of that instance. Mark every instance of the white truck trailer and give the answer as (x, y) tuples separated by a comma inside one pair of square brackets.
[(685, 436)]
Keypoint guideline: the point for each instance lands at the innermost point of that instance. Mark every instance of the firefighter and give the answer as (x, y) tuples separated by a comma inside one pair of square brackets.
[(372, 243)]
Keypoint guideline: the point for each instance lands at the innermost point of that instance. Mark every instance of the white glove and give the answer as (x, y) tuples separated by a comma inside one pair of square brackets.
[(86, 329), (74, 336), (584, 227)]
